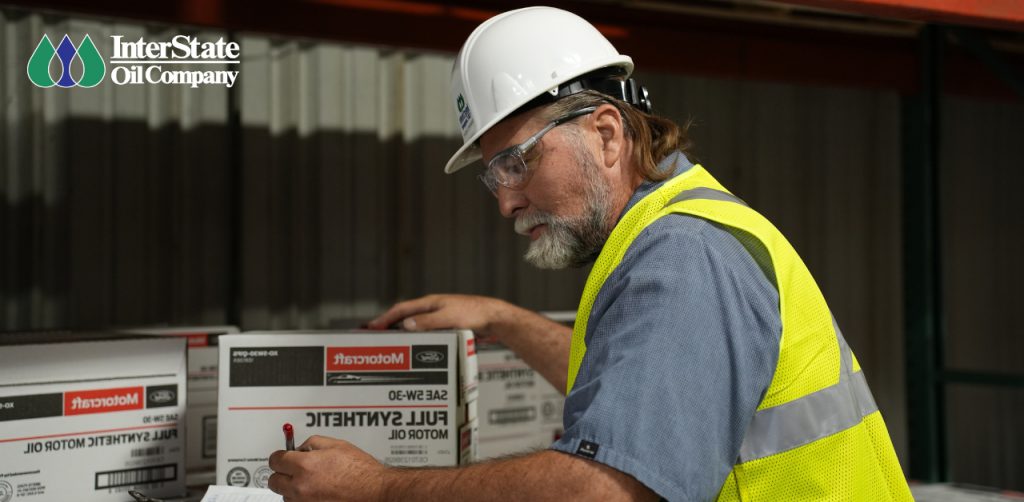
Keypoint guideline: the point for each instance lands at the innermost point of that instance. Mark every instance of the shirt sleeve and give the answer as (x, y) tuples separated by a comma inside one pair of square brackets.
[(682, 343)]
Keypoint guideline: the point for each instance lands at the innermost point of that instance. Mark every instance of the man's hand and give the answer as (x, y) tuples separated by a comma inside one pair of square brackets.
[(326, 469), (478, 313), (541, 342)]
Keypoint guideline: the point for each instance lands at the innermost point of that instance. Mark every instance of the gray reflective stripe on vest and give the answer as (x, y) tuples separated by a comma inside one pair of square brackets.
[(811, 417), (705, 193)]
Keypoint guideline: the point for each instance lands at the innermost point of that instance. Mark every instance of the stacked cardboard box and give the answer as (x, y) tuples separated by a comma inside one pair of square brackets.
[(519, 410), (408, 399), (201, 412), (86, 417)]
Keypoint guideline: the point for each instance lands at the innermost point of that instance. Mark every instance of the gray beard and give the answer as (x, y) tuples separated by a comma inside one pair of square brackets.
[(575, 241)]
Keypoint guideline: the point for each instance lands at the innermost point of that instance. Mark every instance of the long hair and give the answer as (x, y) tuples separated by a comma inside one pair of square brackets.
[(654, 137)]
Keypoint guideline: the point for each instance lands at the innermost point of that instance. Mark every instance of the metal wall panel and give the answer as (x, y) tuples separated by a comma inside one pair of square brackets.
[(982, 273), (113, 197), (986, 442)]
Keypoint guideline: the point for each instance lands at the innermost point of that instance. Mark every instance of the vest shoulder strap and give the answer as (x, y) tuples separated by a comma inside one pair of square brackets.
[(809, 358)]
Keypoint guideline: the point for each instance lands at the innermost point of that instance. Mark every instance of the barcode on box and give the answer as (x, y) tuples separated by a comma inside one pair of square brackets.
[(210, 436), (512, 415), (144, 475), (408, 450), (147, 452)]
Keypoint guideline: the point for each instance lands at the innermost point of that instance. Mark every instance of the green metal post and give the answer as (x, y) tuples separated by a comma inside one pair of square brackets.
[(921, 265)]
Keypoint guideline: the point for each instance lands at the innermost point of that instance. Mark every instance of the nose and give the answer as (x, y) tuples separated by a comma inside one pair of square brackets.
[(510, 202)]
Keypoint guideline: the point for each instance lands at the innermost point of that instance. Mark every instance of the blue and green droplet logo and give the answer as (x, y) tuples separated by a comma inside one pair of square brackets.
[(93, 68)]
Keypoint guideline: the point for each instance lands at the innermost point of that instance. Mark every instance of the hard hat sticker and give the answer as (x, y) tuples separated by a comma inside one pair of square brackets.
[(465, 117)]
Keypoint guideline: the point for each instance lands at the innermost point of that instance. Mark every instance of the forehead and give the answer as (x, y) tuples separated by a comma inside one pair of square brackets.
[(510, 131)]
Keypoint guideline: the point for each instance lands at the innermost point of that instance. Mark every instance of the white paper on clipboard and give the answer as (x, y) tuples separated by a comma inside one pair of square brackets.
[(236, 494)]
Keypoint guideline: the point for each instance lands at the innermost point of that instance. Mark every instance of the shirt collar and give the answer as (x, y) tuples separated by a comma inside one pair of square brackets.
[(676, 162)]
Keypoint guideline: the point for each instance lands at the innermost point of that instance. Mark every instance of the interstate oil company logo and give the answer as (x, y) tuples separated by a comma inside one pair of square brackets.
[(181, 60), (66, 52)]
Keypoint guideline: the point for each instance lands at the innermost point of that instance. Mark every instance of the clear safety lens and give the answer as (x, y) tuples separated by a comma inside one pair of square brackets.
[(507, 169)]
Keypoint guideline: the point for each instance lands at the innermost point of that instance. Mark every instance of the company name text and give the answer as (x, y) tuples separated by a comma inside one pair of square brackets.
[(180, 47)]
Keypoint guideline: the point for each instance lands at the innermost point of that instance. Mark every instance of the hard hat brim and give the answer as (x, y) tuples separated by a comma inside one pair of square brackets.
[(469, 152)]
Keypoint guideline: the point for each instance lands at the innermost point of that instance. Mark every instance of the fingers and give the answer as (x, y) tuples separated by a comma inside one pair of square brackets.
[(440, 319), (280, 484), (320, 443), (283, 462), (401, 310)]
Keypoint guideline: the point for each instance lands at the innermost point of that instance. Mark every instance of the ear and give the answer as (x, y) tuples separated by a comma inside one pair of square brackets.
[(608, 123)]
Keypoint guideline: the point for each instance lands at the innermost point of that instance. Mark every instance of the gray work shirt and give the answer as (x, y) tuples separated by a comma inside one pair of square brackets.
[(682, 343)]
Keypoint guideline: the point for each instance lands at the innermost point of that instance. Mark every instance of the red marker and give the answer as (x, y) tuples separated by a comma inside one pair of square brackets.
[(289, 437)]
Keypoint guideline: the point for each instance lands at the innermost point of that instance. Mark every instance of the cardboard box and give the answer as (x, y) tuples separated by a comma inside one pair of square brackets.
[(519, 410), (201, 412), (89, 420), (408, 399)]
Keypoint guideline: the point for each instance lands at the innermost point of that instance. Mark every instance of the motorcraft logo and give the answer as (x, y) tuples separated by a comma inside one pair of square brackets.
[(103, 401), (368, 358), (178, 61)]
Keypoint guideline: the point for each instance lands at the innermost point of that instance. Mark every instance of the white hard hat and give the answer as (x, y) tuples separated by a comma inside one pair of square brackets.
[(513, 58)]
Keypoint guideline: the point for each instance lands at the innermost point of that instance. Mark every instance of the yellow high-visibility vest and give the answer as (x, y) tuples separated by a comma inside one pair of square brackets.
[(817, 434)]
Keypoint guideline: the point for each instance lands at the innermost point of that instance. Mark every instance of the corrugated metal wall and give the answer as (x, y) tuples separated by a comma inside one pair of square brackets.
[(120, 202), (114, 198), (982, 274)]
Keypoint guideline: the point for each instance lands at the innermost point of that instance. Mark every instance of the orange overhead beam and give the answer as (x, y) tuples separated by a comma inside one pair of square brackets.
[(1003, 14), (657, 41)]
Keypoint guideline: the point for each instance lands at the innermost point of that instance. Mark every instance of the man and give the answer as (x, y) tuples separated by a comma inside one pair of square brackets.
[(704, 362)]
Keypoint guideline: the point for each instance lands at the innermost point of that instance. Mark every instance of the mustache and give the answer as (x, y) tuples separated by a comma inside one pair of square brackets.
[(525, 222)]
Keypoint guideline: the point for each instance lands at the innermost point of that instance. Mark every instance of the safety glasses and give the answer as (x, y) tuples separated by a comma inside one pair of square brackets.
[(509, 169)]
